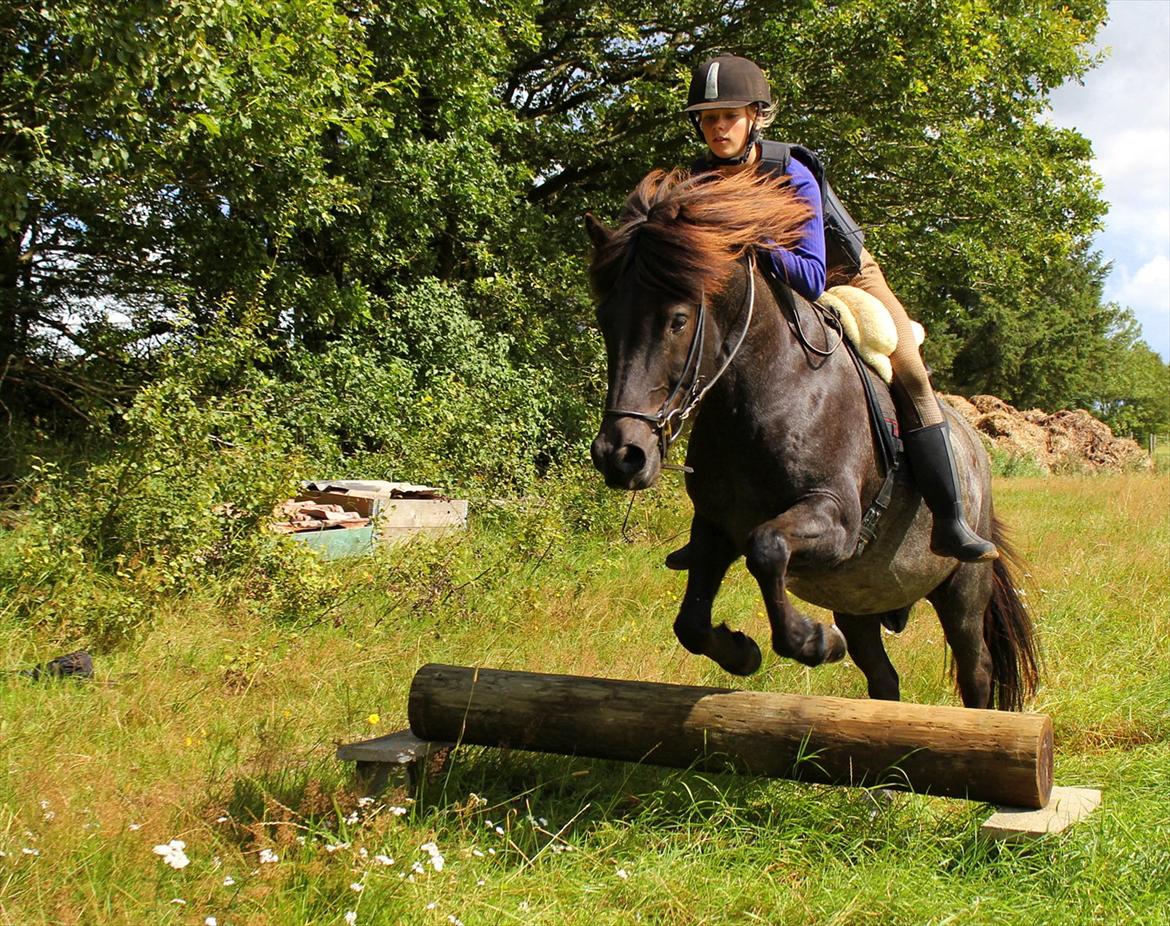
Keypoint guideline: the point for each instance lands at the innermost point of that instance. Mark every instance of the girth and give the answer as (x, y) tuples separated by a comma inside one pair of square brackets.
[(888, 445)]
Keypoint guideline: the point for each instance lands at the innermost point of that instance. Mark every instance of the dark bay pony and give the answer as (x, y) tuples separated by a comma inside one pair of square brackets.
[(782, 456)]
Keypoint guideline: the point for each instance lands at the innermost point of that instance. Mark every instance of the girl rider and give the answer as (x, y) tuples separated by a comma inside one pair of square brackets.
[(729, 104)]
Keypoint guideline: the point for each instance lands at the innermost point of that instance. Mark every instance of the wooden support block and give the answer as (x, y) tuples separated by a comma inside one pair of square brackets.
[(396, 752), (1064, 808)]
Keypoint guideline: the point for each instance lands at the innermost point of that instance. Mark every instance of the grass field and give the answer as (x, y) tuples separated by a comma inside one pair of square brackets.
[(217, 727)]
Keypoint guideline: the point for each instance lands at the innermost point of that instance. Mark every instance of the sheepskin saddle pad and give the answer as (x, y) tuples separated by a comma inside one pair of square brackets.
[(868, 325)]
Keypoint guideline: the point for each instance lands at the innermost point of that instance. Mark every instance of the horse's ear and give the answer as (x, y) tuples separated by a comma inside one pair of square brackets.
[(598, 233)]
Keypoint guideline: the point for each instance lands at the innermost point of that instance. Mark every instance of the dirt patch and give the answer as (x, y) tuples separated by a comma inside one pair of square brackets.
[(1064, 441)]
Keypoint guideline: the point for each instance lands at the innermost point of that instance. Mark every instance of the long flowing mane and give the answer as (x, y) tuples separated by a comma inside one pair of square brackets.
[(682, 233)]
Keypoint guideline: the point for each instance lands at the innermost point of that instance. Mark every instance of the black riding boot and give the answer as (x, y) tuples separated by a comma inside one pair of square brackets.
[(933, 462)]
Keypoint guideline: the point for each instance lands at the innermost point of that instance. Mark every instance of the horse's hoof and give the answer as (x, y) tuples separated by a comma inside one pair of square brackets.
[(835, 647), (680, 559), (748, 658), (751, 664)]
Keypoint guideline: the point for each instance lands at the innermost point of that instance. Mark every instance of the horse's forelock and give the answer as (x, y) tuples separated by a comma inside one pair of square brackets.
[(681, 233)]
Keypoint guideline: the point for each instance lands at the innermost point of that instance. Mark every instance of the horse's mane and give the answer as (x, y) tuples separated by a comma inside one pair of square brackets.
[(682, 233)]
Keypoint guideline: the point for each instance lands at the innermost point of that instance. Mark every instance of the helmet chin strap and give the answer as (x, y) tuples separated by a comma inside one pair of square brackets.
[(742, 157)]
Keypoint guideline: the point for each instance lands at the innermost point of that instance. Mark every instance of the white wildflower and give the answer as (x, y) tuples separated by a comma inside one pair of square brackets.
[(522, 906), (500, 830), (542, 821), (417, 868), (172, 853), (398, 811), (432, 850), (211, 921), (228, 881), (336, 847), (365, 801), (352, 819), (432, 905), (477, 853), (178, 901), (384, 860), (454, 920), (623, 874), (36, 852), (350, 917), (268, 857), (134, 827), (362, 853), (357, 887), (221, 819)]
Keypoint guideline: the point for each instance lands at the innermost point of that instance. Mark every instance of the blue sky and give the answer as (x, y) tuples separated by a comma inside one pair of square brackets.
[(1123, 107)]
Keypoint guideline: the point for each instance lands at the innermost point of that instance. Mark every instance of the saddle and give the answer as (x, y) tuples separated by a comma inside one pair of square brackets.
[(868, 326)]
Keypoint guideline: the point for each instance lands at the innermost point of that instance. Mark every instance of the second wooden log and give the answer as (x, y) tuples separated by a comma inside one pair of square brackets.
[(993, 756)]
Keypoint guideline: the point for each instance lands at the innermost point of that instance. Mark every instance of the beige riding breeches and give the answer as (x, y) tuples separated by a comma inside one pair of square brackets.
[(912, 390)]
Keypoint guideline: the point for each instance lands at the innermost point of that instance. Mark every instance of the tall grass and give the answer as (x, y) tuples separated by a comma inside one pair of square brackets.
[(217, 726)]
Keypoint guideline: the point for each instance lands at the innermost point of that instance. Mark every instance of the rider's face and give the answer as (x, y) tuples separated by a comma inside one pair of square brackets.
[(726, 131)]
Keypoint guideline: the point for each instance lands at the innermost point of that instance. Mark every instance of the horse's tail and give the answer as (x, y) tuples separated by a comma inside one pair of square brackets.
[(1008, 631)]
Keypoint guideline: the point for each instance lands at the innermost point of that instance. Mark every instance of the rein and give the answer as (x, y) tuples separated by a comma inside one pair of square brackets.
[(668, 421)]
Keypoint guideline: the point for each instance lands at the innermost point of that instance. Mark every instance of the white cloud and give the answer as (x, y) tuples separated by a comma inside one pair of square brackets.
[(1123, 107), (1147, 287)]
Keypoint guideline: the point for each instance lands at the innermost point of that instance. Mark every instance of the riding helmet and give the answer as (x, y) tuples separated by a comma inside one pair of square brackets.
[(725, 82)]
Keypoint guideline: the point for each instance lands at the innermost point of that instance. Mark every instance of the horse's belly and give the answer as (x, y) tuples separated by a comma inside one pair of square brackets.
[(896, 569)]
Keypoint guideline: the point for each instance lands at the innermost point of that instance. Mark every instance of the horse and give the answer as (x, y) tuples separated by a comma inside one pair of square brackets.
[(782, 462)]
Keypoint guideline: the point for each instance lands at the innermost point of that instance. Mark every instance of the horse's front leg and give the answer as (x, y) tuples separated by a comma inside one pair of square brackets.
[(814, 529), (710, 552)]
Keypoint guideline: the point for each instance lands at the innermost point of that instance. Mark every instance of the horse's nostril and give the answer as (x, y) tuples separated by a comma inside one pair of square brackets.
[(630, 459)]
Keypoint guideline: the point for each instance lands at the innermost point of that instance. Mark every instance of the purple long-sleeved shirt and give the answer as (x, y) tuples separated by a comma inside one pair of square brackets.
[(803, 265)]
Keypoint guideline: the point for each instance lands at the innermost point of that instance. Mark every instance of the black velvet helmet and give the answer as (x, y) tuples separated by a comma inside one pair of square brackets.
[(726, 82)]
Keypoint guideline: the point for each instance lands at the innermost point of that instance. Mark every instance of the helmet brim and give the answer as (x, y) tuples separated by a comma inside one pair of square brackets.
[(718, 104)]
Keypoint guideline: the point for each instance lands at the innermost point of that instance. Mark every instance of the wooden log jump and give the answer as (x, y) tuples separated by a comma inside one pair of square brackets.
[(982, 755)]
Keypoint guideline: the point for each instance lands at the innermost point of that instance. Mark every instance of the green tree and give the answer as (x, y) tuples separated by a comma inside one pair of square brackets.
[(156, 156)]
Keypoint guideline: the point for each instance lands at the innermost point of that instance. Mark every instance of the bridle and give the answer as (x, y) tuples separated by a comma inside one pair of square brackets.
[(688, 392)]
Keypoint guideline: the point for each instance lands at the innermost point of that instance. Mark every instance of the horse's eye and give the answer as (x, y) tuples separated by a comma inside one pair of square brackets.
[(678, 322)]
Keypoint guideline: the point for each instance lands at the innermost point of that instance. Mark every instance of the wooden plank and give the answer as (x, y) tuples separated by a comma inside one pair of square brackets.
[(993, 756), (402, 751), (424, 512), (398, 748), (1065, 807)]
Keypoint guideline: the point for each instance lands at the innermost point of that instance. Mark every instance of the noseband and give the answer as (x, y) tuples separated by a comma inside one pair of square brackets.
[(688, 392)]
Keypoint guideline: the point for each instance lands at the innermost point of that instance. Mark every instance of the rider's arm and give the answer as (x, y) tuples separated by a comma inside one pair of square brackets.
[(803, 265)]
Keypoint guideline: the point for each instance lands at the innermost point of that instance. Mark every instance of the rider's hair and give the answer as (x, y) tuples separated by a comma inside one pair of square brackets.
[(765, 115)]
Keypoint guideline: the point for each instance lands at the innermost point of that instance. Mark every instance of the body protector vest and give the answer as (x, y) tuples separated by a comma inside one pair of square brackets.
[(844, 238)]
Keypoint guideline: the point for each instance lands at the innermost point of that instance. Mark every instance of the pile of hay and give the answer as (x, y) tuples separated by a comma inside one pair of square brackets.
[(1065, 441)]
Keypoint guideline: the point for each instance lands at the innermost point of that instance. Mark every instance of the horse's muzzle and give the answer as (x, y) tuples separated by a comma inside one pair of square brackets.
[(626, 457)]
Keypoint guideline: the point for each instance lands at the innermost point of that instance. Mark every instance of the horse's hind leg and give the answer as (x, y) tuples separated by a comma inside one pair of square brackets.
[(710, 553), (863, 635), (960, 602)]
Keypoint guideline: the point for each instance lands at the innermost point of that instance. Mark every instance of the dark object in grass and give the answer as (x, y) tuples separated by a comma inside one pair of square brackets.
[(78, 664)]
